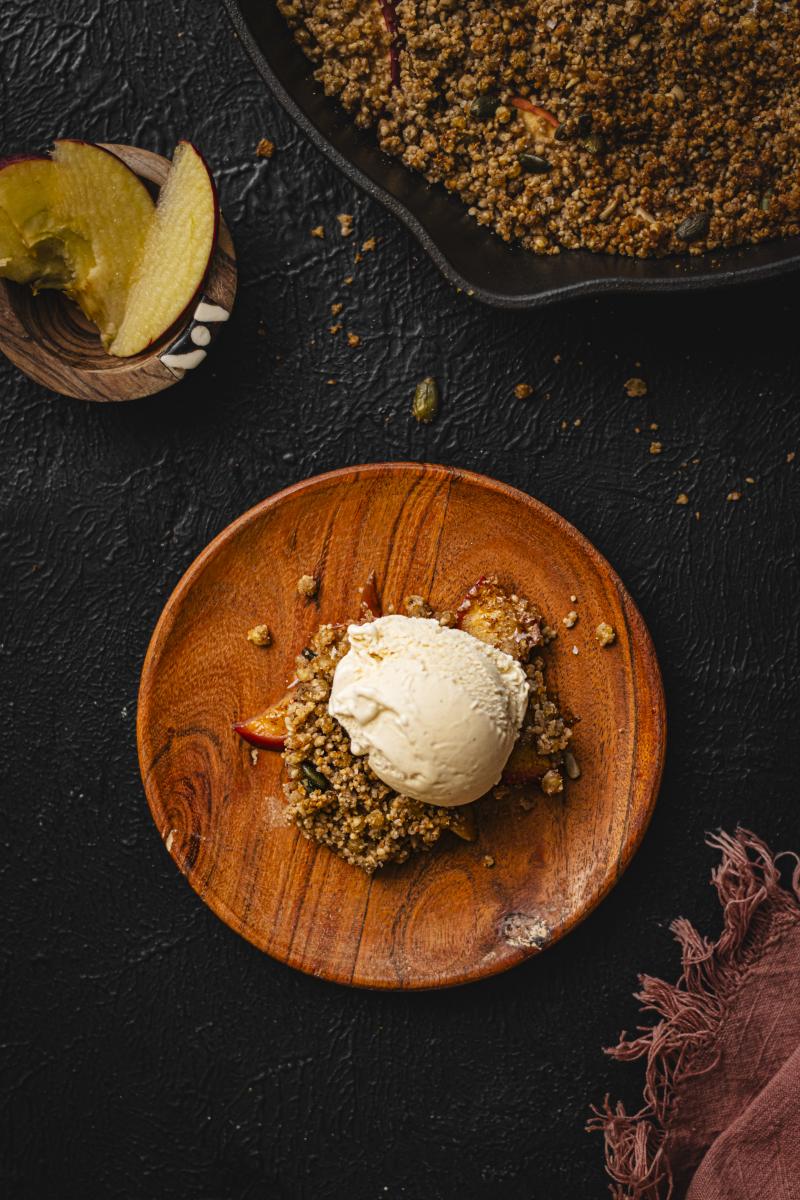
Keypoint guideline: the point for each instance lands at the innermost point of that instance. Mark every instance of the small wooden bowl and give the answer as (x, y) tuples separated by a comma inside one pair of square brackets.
[(49, 338), (462, 911)]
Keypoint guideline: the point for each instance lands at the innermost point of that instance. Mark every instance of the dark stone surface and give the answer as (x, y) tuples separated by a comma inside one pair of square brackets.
[(147, 1051)]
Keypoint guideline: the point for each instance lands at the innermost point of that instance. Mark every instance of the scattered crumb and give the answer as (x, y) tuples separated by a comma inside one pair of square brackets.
[(556, 359), (563, 424), (734, 496), (265, 148), (653, 426), (348, 280), (318, 231), (260, 635), (749, 479), (574, 649), (353, 340), (573, 599), (488, 861), (523, 390), (368, 246), (681, 498), (656, 447), (336, 309), (605, 634), (577, 422), (307, 586), (526, 803), (254, 755), (635, 388), (337, 328), (570, 619), (636, 429), (331, 382), (357, 257), (697, 516), (552, 783), (790, 456), (345, 224)]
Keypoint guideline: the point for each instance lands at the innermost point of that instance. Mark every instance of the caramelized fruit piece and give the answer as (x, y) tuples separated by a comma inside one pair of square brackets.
[(493, 615), (176, 255), (525, 766), (464, 823), (267, 730)]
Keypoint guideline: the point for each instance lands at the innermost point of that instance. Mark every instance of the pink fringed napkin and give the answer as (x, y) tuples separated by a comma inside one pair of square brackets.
[(721, 1114)]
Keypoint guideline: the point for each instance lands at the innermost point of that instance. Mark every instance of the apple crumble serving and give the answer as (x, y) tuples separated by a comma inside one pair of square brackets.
[(333, 794)]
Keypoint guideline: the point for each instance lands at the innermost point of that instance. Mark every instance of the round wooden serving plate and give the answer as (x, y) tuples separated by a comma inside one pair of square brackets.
[(442, 918), (49, 338)]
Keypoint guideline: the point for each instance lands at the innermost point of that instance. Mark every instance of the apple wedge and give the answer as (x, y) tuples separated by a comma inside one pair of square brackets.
[(176, 254), (75, 221), (498, 617), (267, 729)]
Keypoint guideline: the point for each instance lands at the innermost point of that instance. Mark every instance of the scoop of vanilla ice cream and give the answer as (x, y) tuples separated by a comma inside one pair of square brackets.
[(436, 710)]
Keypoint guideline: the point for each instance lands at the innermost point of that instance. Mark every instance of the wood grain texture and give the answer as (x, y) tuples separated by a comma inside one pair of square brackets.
[(442, 918), (49, 338)]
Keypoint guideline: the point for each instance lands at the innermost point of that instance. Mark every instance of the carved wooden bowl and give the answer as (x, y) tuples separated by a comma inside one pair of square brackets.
[(444, 917), (49, 338)]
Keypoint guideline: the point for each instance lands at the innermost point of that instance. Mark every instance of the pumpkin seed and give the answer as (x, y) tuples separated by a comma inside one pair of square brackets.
[(766, 200), (595, 143), (484, 107), (534, 164), (425, 404), (571, 765), (694, 227), (314, 777)]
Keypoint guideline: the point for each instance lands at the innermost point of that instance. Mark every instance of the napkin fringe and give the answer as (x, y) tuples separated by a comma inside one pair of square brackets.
[(683, 1043)]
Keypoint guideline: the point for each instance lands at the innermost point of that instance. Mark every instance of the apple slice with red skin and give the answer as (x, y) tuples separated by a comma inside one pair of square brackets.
[(390, 20), (175, 257), (267, 729), (538, 121), (494, 615)]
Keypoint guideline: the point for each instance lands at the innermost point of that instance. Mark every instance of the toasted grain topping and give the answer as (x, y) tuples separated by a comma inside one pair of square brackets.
[(307, 586), (605, 634), (259, 635)]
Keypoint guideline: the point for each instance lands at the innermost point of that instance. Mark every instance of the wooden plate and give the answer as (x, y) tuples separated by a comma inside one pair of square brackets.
[(444, 917)]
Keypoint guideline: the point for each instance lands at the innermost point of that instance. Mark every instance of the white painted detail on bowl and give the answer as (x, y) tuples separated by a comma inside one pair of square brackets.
[(183, 362), (210, 312), (200, 335)]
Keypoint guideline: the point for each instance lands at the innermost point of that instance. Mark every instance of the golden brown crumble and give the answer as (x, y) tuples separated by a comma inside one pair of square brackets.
[(307, 586), (265, 148), (605, 634), (635, 388), (638, 127), (260, 635)]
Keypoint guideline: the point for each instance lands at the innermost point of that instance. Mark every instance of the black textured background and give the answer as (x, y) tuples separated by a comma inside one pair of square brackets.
[(148, 1052)]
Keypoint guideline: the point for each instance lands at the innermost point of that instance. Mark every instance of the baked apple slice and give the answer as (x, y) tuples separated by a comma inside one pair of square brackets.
[(494, 615), (267, 729), (525, 766), (176, 254), (81, 216)]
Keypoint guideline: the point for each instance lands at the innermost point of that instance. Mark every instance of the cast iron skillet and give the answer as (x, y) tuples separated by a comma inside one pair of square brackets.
[(471, 258)]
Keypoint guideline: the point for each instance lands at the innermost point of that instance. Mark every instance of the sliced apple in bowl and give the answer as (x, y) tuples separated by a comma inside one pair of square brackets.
[(81, 221), (176, 254), (81, 217)]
